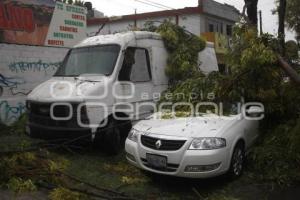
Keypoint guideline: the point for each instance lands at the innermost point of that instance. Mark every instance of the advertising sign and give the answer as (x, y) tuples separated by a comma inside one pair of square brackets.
[(41, 22), (68, 25)]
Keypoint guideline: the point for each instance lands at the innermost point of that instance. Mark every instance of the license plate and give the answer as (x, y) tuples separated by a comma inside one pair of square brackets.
[(156, 160)]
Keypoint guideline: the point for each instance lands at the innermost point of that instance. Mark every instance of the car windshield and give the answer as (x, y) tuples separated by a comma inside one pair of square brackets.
[(231, 108), (222, 109), (90, 60)]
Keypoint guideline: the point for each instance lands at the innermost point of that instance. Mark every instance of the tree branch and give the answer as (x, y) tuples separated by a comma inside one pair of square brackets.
[(232, 82), (289, 70)]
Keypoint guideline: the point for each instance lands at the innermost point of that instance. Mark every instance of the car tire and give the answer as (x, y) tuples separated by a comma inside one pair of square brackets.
[(237, 161)]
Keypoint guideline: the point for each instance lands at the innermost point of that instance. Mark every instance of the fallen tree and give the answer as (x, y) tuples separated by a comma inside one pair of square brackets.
[(290, 71)]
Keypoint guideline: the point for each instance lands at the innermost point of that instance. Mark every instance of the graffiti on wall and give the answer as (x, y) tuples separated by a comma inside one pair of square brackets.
[(23, 66), (19, 75), (10, 83), (10, 113)]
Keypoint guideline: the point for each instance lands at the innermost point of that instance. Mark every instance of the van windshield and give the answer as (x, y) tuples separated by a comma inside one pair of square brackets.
[(90, 60)]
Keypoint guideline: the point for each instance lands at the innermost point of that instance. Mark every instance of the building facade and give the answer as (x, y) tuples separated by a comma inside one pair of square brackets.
[(208, 16)]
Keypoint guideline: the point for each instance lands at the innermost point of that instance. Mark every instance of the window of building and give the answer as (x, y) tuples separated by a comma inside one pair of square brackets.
[(136, 66), (222, 69), (221, 27), (229, 30), (211, 28)]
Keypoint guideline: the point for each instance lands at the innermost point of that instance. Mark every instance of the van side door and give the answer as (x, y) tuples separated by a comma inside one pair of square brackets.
[(135, 79)]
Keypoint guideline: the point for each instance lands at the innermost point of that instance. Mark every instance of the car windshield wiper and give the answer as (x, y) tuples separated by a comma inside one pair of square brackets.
[(89, 81), (85, 79), (63, 75)]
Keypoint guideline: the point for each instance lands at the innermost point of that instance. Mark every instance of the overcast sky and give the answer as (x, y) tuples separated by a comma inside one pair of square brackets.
[(125, 7)]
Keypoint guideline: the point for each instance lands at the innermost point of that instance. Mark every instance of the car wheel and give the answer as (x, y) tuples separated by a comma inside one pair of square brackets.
[(237, 161)]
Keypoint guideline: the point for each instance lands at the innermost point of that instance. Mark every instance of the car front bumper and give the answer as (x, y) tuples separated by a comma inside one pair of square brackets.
[(218, 161)]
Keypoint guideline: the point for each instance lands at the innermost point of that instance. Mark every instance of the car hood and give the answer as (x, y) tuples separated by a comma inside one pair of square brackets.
[(64, 88), (209, 126)]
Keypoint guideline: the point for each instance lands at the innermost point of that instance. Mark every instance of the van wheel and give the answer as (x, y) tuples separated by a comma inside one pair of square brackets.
[(32, 134), (237, 161), (112, 138)]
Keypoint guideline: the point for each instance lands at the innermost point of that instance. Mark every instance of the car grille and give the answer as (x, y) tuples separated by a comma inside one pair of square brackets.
[(166, 145), (39, 113), (170, 167)]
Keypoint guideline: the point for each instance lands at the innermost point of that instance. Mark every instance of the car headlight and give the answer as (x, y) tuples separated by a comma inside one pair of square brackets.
[(208, 143), (133, 135)]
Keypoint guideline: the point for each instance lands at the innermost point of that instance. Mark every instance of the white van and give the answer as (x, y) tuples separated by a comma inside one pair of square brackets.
[(104, 84)]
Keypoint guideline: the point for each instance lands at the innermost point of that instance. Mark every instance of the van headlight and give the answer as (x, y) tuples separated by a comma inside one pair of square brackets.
[(207, 143), (133, 135), (28, 105)]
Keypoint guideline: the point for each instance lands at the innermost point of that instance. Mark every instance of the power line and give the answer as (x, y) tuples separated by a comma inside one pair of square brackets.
[(150, 4), (120, 4), (160, 4)]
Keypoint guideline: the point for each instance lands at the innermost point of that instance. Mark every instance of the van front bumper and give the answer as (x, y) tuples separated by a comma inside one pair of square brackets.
[(42, 131), (183, 162), (40, 123)]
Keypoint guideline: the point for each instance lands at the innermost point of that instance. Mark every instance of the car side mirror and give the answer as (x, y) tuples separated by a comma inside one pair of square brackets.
[(254, 110), (254, 113)]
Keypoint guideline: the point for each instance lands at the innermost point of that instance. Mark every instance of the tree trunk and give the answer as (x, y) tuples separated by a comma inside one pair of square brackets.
[(281, 30), (251, 6)]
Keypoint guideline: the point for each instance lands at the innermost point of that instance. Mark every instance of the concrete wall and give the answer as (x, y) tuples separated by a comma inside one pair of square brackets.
[(21, 69), (192, 23), (156, 21)]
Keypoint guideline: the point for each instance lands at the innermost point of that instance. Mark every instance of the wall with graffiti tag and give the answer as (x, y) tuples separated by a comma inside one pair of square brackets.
[(21, 69)]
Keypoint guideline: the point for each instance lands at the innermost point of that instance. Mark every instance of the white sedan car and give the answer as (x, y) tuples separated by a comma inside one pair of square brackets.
[(195, 147)]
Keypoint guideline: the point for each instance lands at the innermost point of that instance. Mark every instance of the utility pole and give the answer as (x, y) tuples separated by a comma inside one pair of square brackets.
[(135, 20), (260, 22)]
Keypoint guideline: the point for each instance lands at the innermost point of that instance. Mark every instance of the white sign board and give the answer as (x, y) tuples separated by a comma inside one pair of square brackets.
[(68, 25)]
